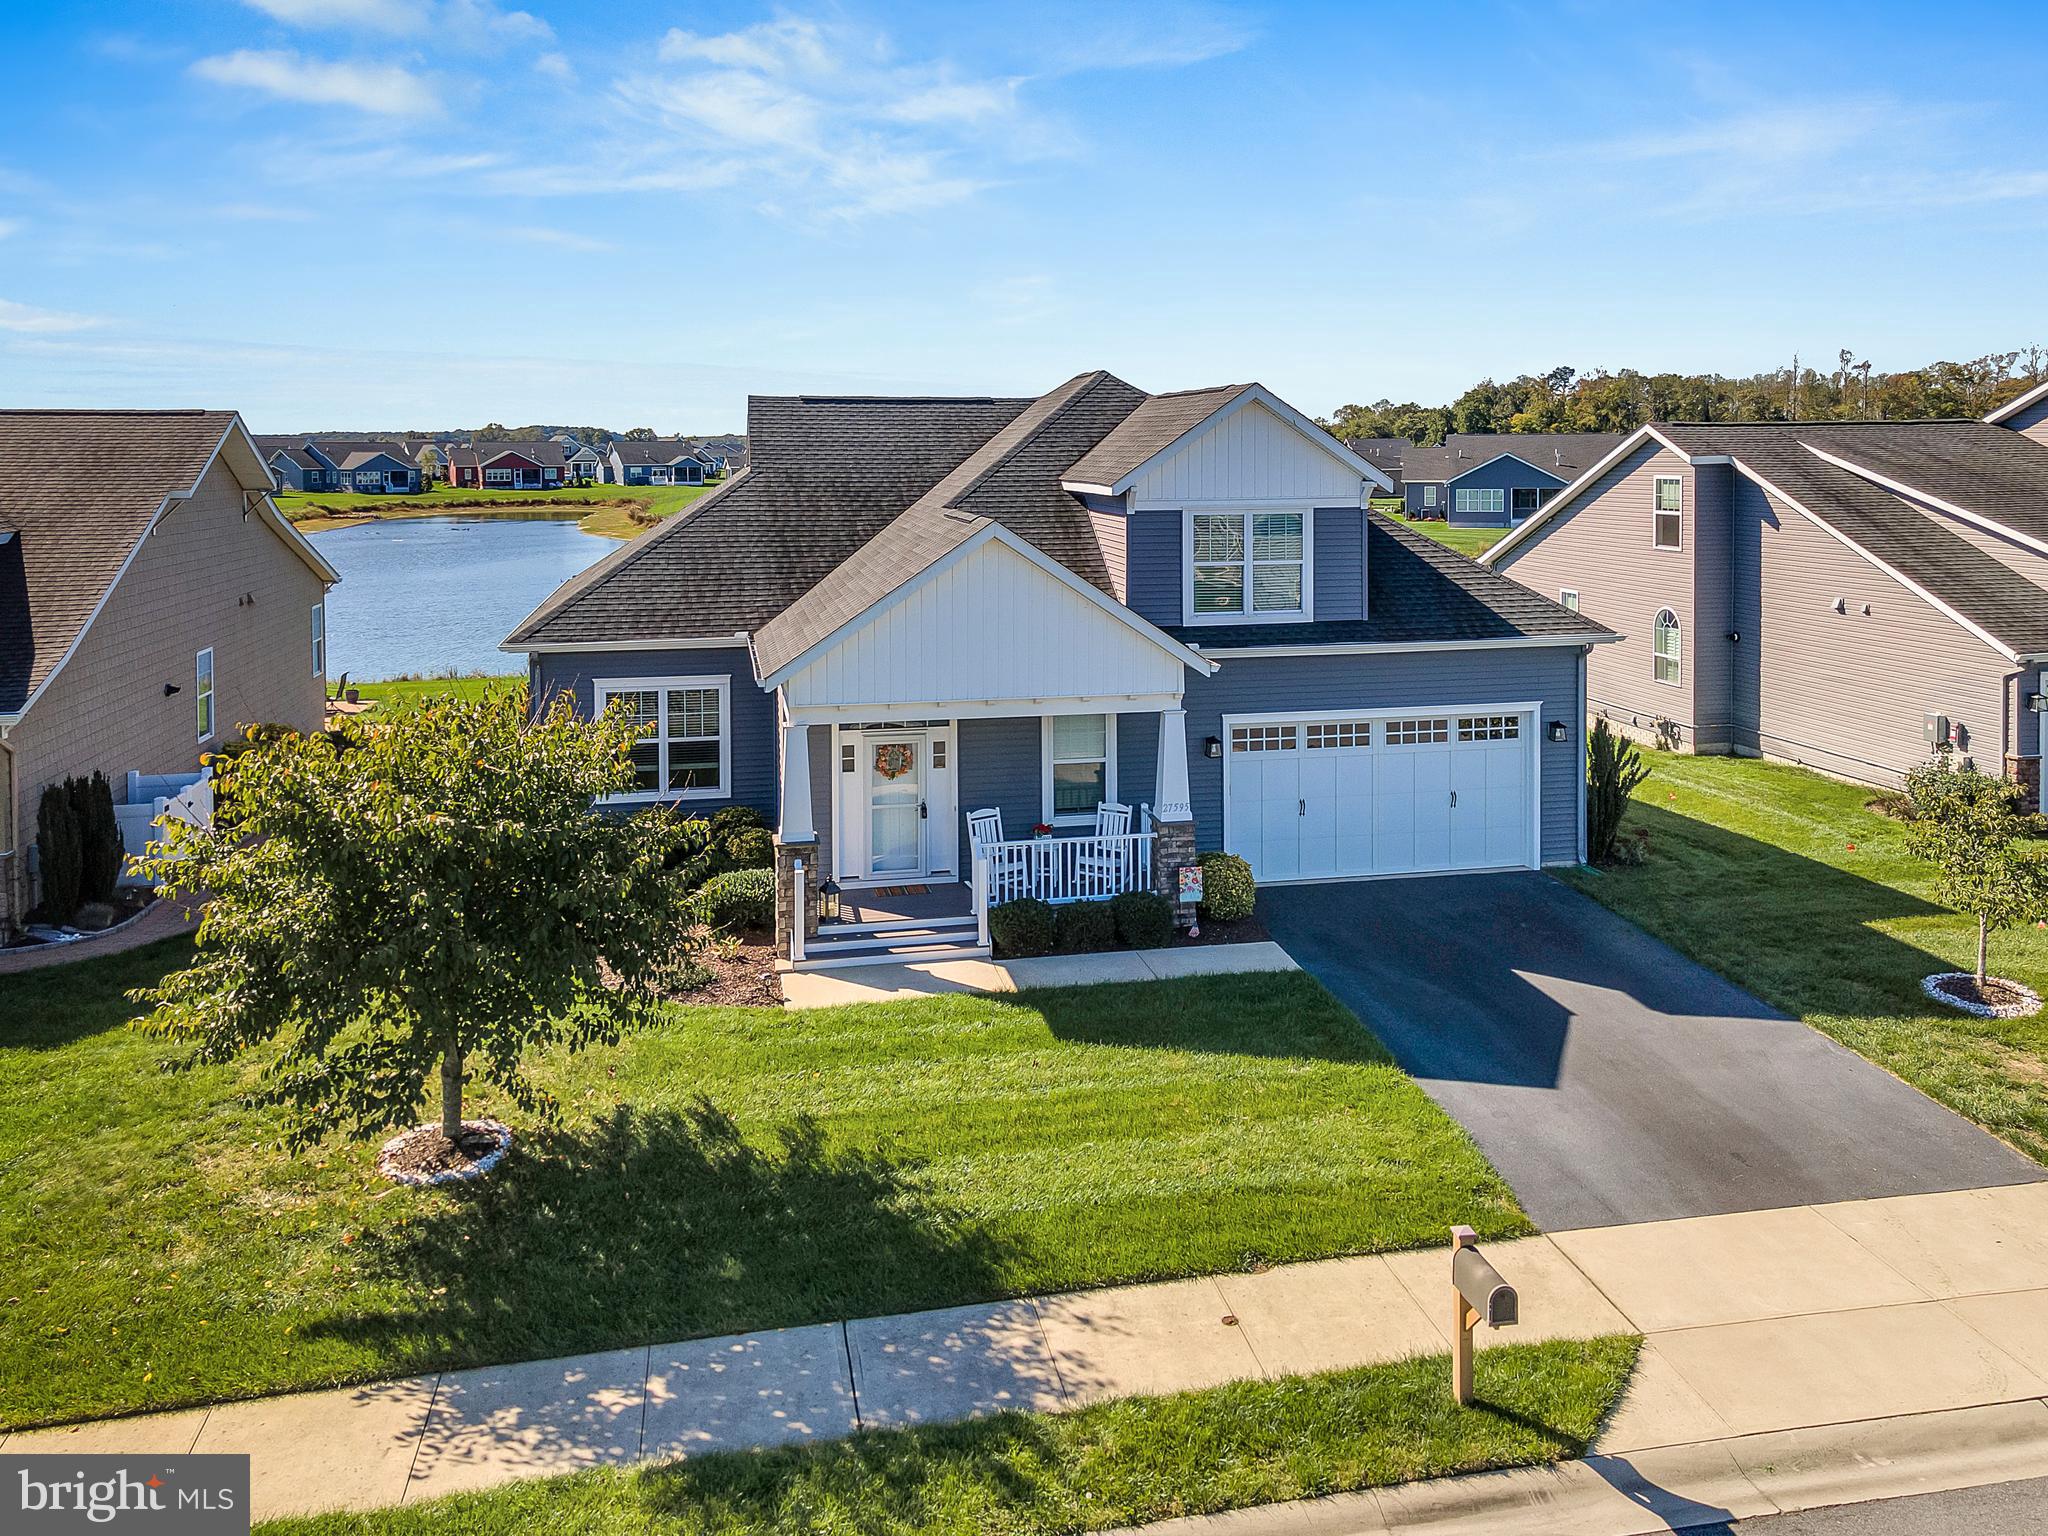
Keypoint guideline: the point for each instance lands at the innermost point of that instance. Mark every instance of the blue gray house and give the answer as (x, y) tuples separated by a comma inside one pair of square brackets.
[(655, 461), (298, 465), (1494, 480), (913, 631)]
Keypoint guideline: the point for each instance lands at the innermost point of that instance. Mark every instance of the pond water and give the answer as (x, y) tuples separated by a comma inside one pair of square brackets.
[(422, 594)]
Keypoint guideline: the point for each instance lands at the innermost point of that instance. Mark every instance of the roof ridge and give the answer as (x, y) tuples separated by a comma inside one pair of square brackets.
[(1081, 385)]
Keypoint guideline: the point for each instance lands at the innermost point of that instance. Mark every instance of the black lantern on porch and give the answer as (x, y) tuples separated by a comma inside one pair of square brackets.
[(828, 902)]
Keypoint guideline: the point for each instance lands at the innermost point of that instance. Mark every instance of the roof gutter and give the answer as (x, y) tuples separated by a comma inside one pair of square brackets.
[(1398, 647)]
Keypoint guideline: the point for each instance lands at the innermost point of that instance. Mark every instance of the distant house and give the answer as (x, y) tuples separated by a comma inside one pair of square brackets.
[(588, 463), (1849, 595), (1383, 453), (655, 461), (1494, 480), (301, 467), (370, 467), (432, 457), (507, 466), (145, 616)]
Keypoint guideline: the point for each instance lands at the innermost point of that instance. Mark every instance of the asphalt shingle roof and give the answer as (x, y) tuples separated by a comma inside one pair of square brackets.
[(1415, 590), (1156, 423), (1905, 537), (1990, 470), (74, 531), (1567, 455)]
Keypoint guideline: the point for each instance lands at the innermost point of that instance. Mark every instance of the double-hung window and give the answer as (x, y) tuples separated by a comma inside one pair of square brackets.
[(1429, 496), (203, 693), (1080, 767), (1664, 647), (685, 746), (1248, 564), (1481, 503), (1668, 520), (319, 639)]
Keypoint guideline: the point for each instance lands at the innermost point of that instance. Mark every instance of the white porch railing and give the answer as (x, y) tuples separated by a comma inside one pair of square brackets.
[(1062, 869)]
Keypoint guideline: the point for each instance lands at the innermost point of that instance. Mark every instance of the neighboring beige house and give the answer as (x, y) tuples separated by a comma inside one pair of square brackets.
[(1840, 594), (152, 602)]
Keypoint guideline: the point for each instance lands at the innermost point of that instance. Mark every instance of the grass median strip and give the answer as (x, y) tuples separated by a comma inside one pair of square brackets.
[(735, 1169), (1120, 1463)]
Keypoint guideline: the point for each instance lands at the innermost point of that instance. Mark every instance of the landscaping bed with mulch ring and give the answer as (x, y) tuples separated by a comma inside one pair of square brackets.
[(423, 1155), (742, 974), (1995, 998)]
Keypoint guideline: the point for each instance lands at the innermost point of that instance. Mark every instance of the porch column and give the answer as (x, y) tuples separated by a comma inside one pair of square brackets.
[(1173, 813), (796, 841)]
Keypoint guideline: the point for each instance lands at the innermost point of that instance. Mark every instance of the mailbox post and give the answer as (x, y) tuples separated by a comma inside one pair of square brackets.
[(1478, 1294)]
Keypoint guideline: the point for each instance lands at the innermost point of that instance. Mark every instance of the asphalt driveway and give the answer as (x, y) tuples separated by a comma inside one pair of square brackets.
[(1609, 1078)]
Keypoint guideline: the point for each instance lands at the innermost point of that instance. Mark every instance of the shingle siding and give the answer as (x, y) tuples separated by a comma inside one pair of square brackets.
[(1267, 685), (756, 750)]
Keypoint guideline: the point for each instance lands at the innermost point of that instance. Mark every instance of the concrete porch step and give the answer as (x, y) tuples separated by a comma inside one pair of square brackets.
[(831, 933), (892, 953)]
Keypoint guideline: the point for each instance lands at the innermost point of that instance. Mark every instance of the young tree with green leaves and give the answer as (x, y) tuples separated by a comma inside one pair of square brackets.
[(432, 893), (1970, 827)]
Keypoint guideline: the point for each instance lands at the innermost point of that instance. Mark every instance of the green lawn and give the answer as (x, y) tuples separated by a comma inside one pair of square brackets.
[(1782, 881), (403, 692), (1466, 541), (611, 515), (735, 1169), (1115, 1464)]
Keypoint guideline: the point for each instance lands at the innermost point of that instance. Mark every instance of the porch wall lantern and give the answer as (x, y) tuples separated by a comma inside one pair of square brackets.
[(1213, 747), (1559, 731), (828, 902), (2038, 703)]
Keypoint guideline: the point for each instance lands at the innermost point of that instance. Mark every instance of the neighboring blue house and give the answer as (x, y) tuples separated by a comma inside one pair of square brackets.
[(1494, 480), (655, 461), (337, 464), (300, 466), (1070, 610)]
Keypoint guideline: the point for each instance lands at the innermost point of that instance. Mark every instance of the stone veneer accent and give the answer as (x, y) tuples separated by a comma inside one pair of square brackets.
[(786, 855), (2026, 772), (1173, 846)]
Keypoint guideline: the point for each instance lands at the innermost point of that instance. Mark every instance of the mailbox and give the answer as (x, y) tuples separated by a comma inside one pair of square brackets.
[(1491, 1297)]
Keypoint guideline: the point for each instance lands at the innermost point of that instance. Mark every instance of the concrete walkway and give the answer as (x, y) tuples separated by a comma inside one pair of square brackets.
[(1763, 1323), (881, 983)]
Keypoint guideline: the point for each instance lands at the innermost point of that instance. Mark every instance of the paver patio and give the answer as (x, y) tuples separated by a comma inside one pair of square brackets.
[(1749, 1335)]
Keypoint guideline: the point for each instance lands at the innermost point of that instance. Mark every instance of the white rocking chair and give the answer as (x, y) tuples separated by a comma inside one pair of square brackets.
[(1102, 868)]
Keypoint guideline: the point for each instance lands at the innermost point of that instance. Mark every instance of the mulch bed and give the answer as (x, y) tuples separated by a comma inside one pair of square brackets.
[(1997, 998), (742, 976), (423, 1155), (1246, 930)]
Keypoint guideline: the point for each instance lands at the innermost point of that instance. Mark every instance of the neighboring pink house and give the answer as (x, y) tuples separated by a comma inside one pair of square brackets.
[(151, 604)]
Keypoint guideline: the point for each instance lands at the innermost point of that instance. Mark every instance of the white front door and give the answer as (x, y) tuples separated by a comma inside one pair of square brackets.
[(896, 766)]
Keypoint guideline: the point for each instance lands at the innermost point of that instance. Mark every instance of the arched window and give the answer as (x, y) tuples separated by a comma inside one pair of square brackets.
[(1664, 647)]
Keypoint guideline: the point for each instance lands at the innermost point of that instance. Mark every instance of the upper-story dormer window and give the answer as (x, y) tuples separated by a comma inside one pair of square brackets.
[(1248, 564)]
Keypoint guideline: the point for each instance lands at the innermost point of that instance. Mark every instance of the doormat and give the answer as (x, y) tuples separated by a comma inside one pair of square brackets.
[(903, 890)]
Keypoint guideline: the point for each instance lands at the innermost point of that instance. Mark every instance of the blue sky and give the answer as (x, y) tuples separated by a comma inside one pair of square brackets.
[(423, 213)]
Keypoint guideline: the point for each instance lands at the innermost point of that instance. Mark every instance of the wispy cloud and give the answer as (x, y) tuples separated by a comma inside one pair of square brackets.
[(383, 89), (555, 65), (1144, 37), (472, 23), (399, 16), (43, 322)]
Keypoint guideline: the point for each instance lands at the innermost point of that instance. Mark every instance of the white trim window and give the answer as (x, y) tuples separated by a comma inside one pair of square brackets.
[(1523, 501), (1079, 767), (1430, 497), (319, 639), (1484, 501), (1248, 564), (497, 477), (1664, 647), (203, 692), (685, 748), (1569, 599), (1667, 519)]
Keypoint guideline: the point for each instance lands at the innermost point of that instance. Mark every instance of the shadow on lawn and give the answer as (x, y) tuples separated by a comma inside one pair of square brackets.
[(657, 1226), (1266, 1014), (54, 1006)]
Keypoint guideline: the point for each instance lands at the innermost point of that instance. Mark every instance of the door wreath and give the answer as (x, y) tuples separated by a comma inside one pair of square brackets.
[(894, 759)]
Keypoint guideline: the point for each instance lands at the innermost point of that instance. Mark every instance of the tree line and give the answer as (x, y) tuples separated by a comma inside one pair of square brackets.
[(1565, 400)]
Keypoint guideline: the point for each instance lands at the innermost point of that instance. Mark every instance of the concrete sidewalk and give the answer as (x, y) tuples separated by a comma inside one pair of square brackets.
[(1759, 1324), (881, 983)]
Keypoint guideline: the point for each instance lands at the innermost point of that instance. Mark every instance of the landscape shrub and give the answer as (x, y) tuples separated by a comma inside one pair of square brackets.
[(1022, 928), (751, 848), (1613, 770), (1144, 919), (100, 853), (1228, 890), (1084, 927), (739, 898), (59, 856)]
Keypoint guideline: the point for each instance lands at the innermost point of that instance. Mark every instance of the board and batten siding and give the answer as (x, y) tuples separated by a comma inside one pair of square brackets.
[(994, 625), (1601, 547), (1847, 692), (1428, 679), (1250, 455), (756, 743)]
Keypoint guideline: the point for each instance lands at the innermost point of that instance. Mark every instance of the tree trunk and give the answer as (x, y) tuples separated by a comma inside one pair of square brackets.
[(451, 1091), (1983, 944)]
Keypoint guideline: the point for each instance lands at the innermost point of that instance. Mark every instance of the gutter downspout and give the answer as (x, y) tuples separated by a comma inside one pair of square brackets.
[(1585, 651), (10, 842)]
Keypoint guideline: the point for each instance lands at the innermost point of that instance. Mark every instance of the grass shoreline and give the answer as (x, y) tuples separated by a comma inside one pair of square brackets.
[(1111, 1465), (613, 511)]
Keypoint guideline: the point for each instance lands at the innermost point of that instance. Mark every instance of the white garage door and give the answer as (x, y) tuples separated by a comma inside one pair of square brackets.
[(1383, 794)]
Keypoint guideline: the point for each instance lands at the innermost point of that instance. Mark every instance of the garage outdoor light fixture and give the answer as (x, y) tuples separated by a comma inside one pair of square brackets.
[(1559, 731), (1213, 747)]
